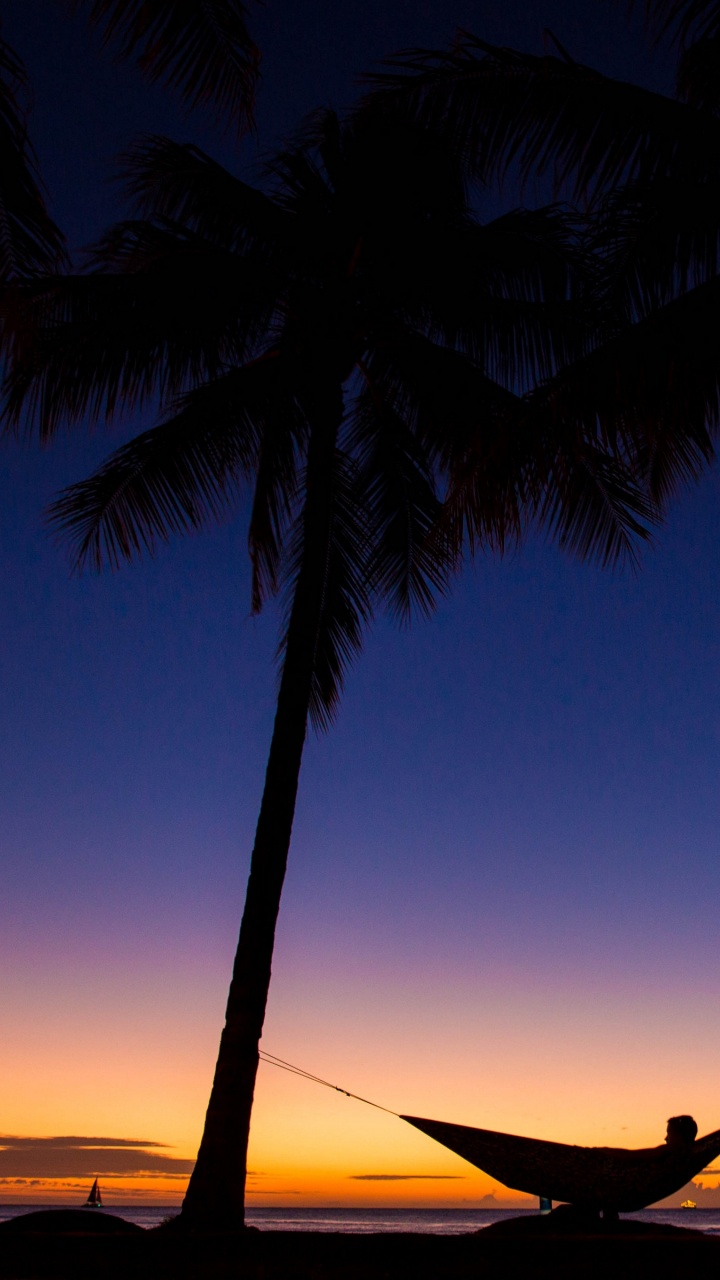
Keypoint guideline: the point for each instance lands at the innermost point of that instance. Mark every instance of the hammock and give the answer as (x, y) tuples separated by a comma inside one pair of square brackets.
[(591, 1177)]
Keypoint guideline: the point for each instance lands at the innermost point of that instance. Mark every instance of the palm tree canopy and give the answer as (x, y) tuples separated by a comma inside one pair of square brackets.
[(362, 272), (30, 243), (694, 26), (548, 115), (201, 48), (685, 20), (650, 165)]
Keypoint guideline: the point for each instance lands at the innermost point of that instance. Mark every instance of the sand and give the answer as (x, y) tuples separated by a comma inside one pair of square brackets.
[(625, 1252)]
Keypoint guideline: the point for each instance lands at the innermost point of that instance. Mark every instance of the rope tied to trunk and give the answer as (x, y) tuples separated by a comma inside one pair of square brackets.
[(272, 1061)]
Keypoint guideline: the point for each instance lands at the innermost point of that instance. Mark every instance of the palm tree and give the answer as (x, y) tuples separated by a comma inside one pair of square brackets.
[(343, 346), (647, 168)]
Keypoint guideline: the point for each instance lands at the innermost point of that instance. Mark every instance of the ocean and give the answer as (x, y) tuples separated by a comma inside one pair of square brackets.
[(364, 1221)]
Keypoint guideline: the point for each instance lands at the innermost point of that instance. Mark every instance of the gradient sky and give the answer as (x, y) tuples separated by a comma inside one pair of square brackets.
[(501, 904)]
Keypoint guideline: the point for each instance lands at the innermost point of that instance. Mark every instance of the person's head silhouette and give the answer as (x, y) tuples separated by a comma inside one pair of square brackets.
[(681, 1130)]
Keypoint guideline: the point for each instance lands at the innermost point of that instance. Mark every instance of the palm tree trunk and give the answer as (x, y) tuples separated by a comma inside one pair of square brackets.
[(216, 1193)]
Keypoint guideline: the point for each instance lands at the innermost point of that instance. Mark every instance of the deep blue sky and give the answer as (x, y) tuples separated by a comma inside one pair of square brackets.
[(523, 791)]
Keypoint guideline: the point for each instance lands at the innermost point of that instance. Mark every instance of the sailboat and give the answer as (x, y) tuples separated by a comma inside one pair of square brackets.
[(94, 1200)]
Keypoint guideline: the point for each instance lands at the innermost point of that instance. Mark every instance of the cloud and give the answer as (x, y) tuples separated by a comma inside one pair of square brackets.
[(406, 1177), (22, 1182), (80, 1157), (59, 1144), (704, 1197), (491, 1201)]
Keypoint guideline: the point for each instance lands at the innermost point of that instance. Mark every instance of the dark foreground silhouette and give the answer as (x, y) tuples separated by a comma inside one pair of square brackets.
[(62, 1221), (567, 1222), (555, 1247)]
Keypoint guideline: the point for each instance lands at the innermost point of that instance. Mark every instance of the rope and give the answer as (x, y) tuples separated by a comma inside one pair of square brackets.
[(272, 1061)]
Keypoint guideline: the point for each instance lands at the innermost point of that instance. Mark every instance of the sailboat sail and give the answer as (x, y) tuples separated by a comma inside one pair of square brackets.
[(94, 1200)]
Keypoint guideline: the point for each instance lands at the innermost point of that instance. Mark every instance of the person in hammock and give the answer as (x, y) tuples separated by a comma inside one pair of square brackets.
[(681, 1134), (681, 1131)]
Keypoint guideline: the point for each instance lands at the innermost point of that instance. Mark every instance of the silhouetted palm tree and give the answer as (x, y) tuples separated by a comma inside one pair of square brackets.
[(339, 348), (648, 168)]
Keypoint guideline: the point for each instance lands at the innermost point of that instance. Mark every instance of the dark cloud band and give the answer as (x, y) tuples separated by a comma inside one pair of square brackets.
[(9, 1143), (406, 1177), (71, 1157)]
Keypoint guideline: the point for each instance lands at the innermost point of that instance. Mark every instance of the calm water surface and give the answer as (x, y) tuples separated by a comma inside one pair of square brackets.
[(432, 1221)]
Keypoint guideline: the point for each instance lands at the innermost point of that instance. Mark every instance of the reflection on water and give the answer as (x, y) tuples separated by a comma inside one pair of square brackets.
[(434, 1221)]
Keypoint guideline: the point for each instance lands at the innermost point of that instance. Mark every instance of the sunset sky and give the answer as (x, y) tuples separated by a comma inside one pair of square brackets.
[(502, 898)]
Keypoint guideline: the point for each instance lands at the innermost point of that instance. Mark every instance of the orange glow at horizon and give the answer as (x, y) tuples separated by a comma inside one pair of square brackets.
[(580, 1057), (311, 1147)]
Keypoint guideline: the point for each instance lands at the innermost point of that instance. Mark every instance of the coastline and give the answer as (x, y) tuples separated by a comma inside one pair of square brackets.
[(637, 1252), (363, 1221)]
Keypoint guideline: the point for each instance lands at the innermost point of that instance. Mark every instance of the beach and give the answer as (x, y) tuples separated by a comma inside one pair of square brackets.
[(638, 1248), (446, 1222)]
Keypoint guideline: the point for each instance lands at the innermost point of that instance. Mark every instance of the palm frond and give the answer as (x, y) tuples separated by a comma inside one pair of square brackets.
[(275, 494), (346, 597), (466, 424), (30, 242), (686, 21), (511, 461), (548, 115), (653, 241), (513, 295), (412, 559), (533, 253), (650, 396), (698, 74), (594, 507), (180, 183), (438, 392), (176, 477), (201, 48), (95, 346)]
